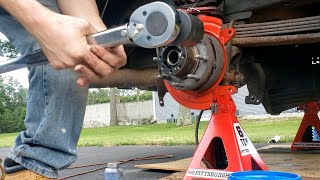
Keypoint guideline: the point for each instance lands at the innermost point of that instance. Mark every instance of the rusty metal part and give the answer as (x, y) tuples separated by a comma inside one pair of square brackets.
[(196, 3), (129, 78), (277, 40), (188, 68), (218, 68), (209, 10), (255, 78), (281, 31), (278, 32), (162, 90), (203, 7), (283, 27), (282, 22), (277, 24), (231, 77)]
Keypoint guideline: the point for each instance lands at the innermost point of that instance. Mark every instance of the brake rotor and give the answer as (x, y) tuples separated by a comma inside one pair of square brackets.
[(201, 98)]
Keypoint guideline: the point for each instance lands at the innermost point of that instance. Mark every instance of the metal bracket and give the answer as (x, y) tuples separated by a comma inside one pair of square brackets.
[(162, 90)]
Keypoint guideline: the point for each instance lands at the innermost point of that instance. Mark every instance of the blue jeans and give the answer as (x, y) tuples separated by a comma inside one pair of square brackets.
[(55, 108)]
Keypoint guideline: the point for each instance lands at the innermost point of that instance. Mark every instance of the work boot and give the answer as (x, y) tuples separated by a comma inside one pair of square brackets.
[(14, 171), (1, 170)]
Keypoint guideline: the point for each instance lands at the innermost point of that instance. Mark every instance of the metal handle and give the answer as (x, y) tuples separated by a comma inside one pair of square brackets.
[(36, 58), (108, 38), (111, 37)]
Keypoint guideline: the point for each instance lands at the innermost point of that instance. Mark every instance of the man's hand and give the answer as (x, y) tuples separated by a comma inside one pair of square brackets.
[(63, 40), (100, 63), (113, 59), (71, 49), (63, 37)]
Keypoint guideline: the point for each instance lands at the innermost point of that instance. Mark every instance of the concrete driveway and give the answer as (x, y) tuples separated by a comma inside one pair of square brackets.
[(90, 155)]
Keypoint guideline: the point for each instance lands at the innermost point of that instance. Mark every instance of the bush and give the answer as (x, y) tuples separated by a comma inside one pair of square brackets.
[(13, 101), (103, 96)]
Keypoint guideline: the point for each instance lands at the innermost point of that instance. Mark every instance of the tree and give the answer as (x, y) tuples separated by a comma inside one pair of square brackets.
[(113, 107), (13, 101), (134, 95), (184, 117), (13, 97), (98, 96), (7, 49), (138, 95)]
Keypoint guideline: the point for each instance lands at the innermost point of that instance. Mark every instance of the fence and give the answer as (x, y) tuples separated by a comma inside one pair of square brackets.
[(128, 113)]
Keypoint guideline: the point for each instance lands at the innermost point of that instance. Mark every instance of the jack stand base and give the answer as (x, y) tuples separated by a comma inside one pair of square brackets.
[(303, 141), (224, 147)]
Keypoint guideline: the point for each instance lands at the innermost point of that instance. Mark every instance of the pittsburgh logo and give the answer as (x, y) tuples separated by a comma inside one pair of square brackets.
[(316, 60)]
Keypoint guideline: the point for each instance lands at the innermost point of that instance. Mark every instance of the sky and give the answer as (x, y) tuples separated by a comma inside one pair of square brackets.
[(20, 75)]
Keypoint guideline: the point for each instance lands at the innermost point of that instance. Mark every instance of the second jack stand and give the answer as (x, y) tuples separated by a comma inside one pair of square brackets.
[(224, 147), (303, 139)]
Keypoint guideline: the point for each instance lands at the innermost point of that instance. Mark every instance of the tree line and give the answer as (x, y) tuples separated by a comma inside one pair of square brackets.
[(100, 96), (7, 49), (13, 96), (13, 101)]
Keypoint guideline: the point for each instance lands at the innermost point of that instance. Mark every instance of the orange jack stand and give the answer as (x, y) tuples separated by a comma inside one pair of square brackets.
[(310, 118), (224, 147)]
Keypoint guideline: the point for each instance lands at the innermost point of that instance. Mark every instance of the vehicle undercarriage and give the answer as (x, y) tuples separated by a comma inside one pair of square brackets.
[(275, 51)]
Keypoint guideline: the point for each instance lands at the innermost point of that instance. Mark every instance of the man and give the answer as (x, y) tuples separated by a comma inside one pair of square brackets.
[(56, 98)]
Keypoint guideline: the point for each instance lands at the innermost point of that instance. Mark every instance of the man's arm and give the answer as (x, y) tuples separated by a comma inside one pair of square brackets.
[(87, 9), (30, 13), (52, 31), (63, 38)]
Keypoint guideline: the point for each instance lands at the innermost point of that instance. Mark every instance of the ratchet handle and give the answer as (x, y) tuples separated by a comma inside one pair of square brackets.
[(109, 38), (35, 58), (152, 25)]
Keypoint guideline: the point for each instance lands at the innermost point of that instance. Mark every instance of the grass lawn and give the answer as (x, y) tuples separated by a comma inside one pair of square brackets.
[(259, 131)]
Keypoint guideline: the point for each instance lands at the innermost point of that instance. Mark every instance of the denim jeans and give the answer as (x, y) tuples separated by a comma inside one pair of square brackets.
[(55, 108)]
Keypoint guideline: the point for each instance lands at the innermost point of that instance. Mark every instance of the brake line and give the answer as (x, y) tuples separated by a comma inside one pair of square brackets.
[(196, 133), (161, 156)]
